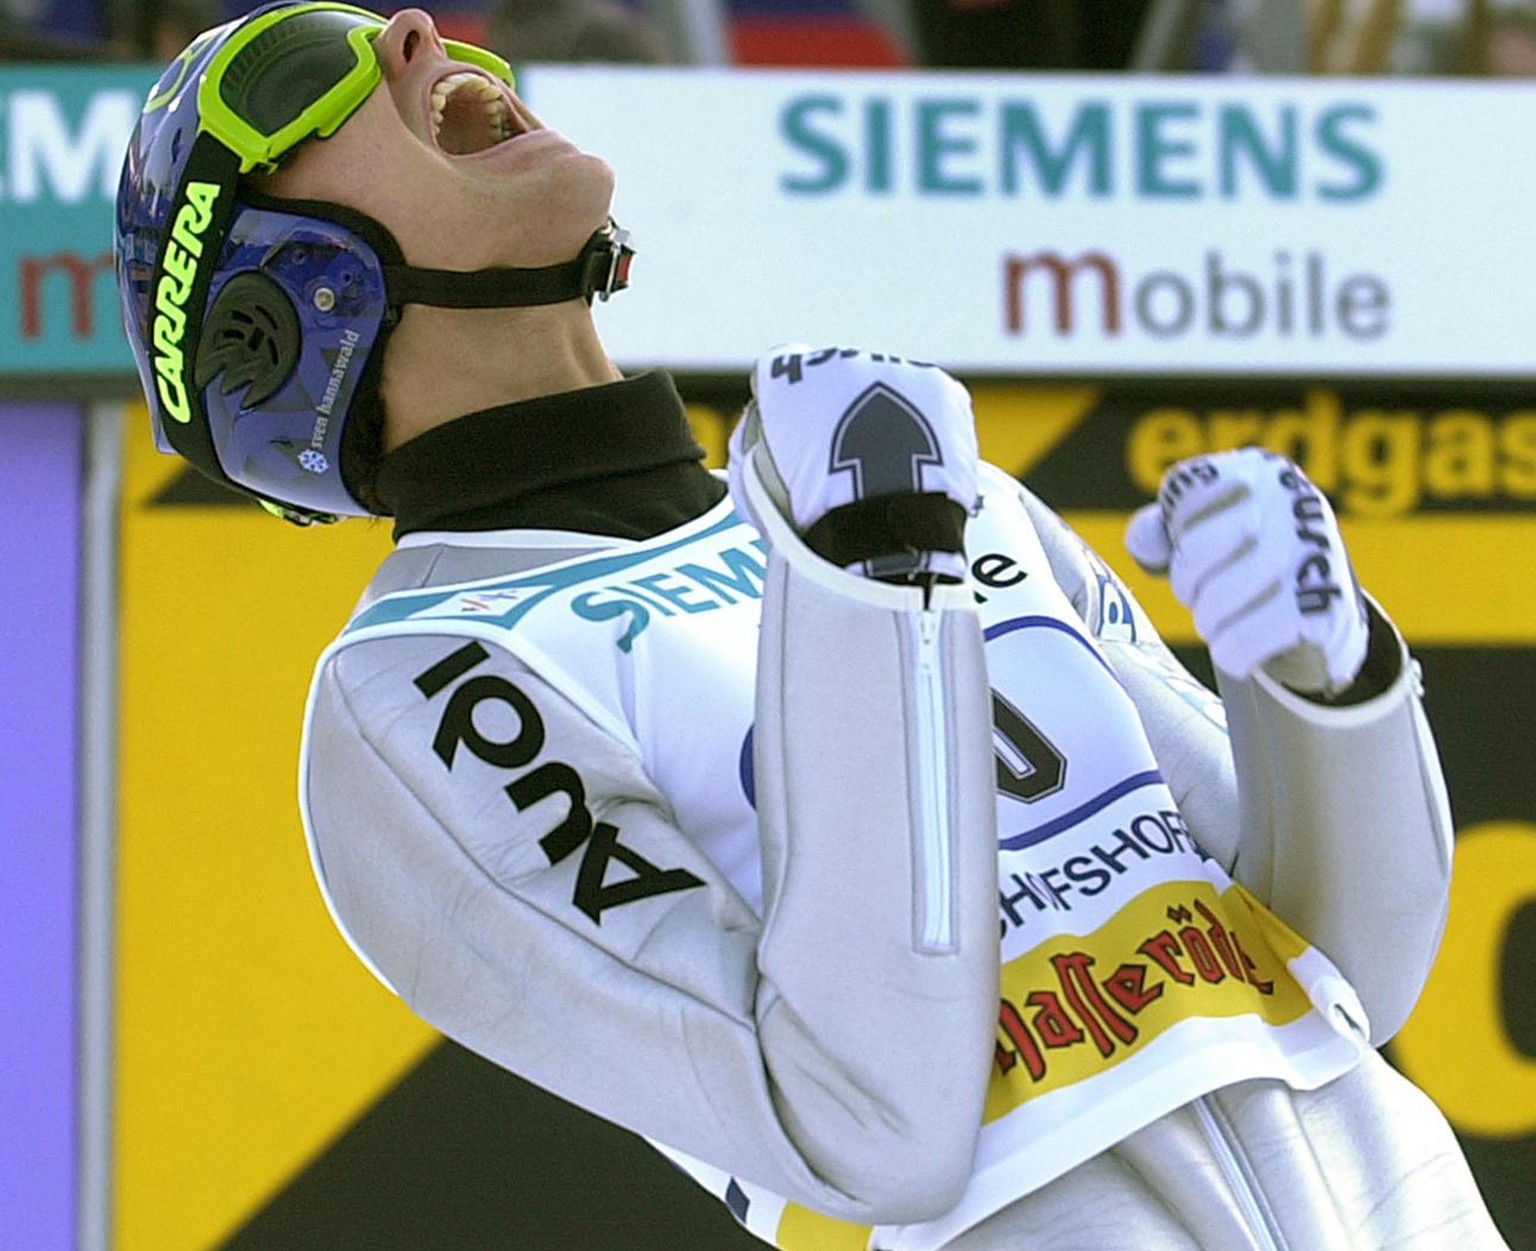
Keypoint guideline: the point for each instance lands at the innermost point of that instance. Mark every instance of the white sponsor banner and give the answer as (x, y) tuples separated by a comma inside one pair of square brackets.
[(1067, 224)]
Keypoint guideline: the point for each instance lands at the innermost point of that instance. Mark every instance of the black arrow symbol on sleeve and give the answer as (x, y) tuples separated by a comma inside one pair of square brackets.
[(884, 441)]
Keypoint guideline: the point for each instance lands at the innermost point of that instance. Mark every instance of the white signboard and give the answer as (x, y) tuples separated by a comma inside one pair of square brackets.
[(1042, 224)]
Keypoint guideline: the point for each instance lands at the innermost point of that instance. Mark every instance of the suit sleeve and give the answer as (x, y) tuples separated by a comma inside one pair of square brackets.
[(1346, 827), (1335, 816), (507, 867)]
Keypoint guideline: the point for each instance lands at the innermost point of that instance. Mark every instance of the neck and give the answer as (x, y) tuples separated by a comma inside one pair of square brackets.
[(445, 362)]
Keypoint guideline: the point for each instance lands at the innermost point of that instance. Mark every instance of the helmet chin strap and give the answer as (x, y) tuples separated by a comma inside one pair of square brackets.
[(601, 268)]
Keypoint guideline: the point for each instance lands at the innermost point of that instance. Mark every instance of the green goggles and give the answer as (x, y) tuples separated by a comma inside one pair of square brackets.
[(299, 72)]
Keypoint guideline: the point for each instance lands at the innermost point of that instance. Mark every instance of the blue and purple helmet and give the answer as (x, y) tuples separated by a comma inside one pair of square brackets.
[(258, 325)]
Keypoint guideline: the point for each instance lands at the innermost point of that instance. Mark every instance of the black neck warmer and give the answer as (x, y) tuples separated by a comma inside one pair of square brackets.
[(617, 459)]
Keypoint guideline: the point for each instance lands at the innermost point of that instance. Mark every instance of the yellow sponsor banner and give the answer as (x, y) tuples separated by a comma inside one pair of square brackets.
[(1075, 1007), (1375, 456)]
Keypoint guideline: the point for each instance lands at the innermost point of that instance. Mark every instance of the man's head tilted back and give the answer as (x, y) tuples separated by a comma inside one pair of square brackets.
[(297, 177)]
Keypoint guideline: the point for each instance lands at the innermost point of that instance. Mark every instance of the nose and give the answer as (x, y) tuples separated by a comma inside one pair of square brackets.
[(410, 35)]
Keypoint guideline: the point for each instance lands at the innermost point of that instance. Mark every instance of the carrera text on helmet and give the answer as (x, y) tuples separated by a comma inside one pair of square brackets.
[(183, 251)]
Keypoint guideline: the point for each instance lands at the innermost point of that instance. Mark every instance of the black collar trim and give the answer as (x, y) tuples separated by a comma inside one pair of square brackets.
[(617, 459)]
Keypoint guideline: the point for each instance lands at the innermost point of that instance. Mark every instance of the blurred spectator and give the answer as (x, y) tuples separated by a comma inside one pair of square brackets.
[(24, 37), (1508, 46), (1478, 38), (1028, 34), (572, 30), (1495, 41), (1353, 36)]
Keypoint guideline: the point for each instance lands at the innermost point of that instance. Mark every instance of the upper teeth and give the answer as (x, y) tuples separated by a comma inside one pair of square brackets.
[(463, 80)]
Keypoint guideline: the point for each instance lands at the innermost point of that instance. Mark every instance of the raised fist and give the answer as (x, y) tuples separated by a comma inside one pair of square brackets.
[(871, 458), (1253, 550)]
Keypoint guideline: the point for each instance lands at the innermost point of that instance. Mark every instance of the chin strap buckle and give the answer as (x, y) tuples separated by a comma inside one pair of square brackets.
[(607, 263)]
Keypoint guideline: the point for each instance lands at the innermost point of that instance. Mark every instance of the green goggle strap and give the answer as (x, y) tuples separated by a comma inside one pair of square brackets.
[(324, 116)]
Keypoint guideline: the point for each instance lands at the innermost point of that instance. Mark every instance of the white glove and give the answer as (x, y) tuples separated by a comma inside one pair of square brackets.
[(1253, 550), (871, 458)]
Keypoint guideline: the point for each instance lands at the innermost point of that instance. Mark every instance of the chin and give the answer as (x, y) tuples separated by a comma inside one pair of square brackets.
[(591, 195), (563, 222)]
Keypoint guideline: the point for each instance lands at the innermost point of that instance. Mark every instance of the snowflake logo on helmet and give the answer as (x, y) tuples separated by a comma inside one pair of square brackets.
[(313, 461)]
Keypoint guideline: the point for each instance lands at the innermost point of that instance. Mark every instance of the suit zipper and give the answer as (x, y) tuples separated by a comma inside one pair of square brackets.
[(1266, 1234), (935, 871)]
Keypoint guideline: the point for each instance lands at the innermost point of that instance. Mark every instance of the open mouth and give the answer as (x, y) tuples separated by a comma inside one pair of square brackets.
[(469, 114)]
